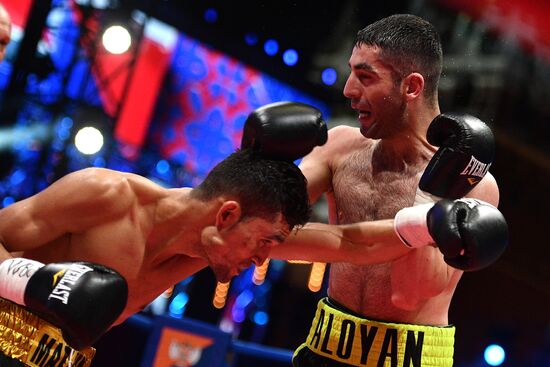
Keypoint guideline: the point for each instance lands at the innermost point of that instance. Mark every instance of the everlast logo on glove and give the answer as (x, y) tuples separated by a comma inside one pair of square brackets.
[(466, 151), (475, 168), (67, 278)]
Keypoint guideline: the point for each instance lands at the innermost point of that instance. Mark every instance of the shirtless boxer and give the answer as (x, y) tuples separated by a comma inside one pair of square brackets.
[(394, 313), (155, 237), (152, 236), (146, 238)]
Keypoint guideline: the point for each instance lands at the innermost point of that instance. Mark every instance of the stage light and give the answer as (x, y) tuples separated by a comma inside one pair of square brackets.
[(260, 272), (329, 76), (244, 299), (116, 39), (97, 4), (21, 136), (211, 15), (238, 314), (290, 57), (177, 306), (17, 177), (162, 167), (101, 4), (8, 200), (220, 294), (88, 140), (494, 355), (271, 47), (261, 318), (316, 276), (251, 39)]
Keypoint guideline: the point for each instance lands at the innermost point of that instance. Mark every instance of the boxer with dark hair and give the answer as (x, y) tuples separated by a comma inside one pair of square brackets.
[(56, 298), (395, 313), (148, 238)]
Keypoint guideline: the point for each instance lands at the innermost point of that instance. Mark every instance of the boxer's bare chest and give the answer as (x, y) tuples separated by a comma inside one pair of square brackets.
[(363, 190), (124, 245), (366, 191)]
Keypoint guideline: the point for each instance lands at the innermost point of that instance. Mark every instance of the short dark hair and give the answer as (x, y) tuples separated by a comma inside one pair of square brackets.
[(408, 43), (264, 187)]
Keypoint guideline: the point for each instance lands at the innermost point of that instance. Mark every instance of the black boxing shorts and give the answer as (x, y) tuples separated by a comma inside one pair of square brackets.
[(339, 339), (28, 340)]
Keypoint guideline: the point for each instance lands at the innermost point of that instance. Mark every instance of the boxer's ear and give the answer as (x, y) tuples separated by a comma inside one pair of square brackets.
[(228, 214), (413, 85)]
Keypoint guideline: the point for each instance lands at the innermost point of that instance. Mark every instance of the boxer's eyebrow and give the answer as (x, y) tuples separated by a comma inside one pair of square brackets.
[(362, 66), (277, 237)]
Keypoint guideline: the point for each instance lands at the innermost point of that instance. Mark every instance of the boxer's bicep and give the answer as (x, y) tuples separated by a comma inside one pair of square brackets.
[(319, 166), (317, 173)]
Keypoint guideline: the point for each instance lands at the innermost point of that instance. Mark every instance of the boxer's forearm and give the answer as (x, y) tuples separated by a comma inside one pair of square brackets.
[(359, 243)]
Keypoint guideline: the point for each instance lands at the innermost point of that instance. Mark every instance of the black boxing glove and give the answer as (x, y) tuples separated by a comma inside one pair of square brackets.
[(81, 298), (470, 233), (466, 151), (284, 130)]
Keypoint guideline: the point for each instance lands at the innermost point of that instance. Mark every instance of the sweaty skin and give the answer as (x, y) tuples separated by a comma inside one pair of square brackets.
[(369, 173), (155, 237)]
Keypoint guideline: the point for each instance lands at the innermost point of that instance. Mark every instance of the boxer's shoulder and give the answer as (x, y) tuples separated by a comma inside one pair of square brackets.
[(116, 185), (342, 141), (344, 132)]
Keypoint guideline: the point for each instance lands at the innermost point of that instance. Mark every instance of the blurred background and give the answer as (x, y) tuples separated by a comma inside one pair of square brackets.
[(161, 88)]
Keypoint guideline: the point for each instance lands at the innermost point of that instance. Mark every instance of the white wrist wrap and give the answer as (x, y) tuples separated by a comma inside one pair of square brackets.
[(14, 276), (410, 225)]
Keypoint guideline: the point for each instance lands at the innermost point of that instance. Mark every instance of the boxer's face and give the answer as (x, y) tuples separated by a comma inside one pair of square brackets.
[(374, 94), (247, 242)]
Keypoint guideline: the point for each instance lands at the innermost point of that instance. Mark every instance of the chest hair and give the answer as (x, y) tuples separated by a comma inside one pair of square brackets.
[(364, 192)]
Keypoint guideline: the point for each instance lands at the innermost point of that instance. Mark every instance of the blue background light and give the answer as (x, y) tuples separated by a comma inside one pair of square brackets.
[(177, 306), (329, 76), (290, 57), (261, 318), (271, 47), (494, 355), (211, 15), (162, 167), (8, 200), (251, 39)]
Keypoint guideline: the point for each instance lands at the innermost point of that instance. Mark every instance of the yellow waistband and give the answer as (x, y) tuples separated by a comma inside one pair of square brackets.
[(35, 342), (361, 342)]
